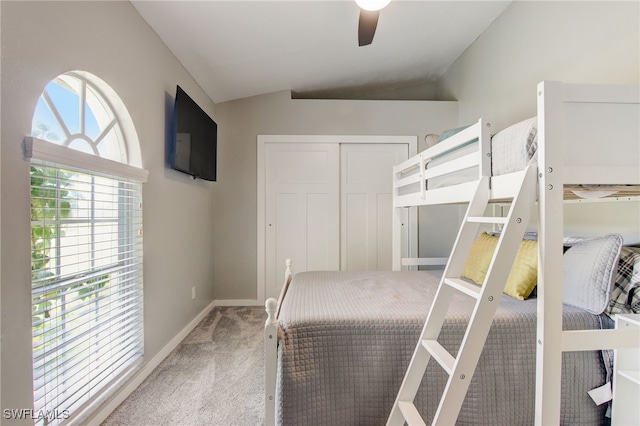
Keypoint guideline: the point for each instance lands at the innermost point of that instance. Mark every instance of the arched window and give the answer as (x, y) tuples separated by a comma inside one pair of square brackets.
[(80, 111), (86, 245)]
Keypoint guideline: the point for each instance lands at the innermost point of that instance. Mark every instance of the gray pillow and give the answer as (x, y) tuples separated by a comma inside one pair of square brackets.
[(589, 271), (625, 294)]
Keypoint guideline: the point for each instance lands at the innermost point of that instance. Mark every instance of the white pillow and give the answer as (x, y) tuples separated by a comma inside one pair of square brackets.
[(590, 265), (515, 147)]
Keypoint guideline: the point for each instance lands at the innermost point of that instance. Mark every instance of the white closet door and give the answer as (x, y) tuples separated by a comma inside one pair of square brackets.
[(366, 198), (302, 205)]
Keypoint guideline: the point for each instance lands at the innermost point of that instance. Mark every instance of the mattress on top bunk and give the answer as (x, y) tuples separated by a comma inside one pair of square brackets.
[(512, 149), (347, 339)]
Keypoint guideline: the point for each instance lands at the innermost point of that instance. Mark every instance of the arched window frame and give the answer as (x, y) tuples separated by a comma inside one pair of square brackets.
[(113, 115), (67, 388)]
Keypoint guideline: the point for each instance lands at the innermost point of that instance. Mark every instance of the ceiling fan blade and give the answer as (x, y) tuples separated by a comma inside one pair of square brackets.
[(367, 24)]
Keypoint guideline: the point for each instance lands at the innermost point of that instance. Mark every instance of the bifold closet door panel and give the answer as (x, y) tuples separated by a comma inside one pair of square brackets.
[(366, 204), (302, 209)]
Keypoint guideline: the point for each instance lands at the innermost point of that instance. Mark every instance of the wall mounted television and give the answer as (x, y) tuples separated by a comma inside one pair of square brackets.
[(195, 139)]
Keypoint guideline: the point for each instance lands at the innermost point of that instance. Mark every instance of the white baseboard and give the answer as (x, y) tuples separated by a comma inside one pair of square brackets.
[(147, 368)]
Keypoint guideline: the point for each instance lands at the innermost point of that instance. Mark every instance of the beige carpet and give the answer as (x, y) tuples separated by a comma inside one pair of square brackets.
[(214, 377)]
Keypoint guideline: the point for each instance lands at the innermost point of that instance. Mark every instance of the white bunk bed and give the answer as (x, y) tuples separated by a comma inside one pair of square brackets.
[(580, 132), (574, 121)]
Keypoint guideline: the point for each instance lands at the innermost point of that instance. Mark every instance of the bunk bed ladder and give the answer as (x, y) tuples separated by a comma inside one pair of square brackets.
[(462, 367)]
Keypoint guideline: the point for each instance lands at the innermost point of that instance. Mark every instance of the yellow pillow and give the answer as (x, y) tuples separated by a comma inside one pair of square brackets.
[(524, 273)]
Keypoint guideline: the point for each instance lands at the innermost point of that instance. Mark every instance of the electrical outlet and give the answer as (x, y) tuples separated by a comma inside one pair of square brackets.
[(193, 292)]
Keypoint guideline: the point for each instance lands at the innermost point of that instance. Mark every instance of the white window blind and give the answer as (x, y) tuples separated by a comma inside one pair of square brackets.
[(86, 242)]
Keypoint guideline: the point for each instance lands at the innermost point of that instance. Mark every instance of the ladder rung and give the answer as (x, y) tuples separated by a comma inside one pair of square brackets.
[(440, 354), (410, 414), (487, 219), (465, 287)]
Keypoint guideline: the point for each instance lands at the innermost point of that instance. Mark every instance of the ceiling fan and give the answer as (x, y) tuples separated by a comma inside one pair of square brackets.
[(368, 20)]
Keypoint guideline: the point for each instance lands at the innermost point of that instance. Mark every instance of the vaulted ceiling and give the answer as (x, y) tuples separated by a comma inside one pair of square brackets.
[(236, 48)]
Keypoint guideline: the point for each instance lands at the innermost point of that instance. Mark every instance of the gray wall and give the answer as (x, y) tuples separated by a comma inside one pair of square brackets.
[(41, 40), (236, 194), (574, 42)]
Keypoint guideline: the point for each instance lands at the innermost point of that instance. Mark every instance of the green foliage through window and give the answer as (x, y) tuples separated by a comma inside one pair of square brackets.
[(51, 203)]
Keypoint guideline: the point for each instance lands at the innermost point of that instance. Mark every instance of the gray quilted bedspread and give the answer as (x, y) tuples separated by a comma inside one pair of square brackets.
[(347, 338)]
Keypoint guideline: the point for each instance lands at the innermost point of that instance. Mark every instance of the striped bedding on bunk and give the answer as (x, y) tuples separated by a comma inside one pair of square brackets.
[(347, 338)]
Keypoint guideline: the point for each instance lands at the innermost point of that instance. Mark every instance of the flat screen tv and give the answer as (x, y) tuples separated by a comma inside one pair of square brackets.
[(194, 139)]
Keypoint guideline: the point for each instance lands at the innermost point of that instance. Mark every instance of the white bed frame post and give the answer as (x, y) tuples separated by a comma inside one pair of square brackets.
[(396, 230), (272, 306), (550, 262), (270, 361)]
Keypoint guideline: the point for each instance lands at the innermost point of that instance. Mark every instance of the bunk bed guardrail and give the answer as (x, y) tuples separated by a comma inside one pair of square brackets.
[(411, 176)]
